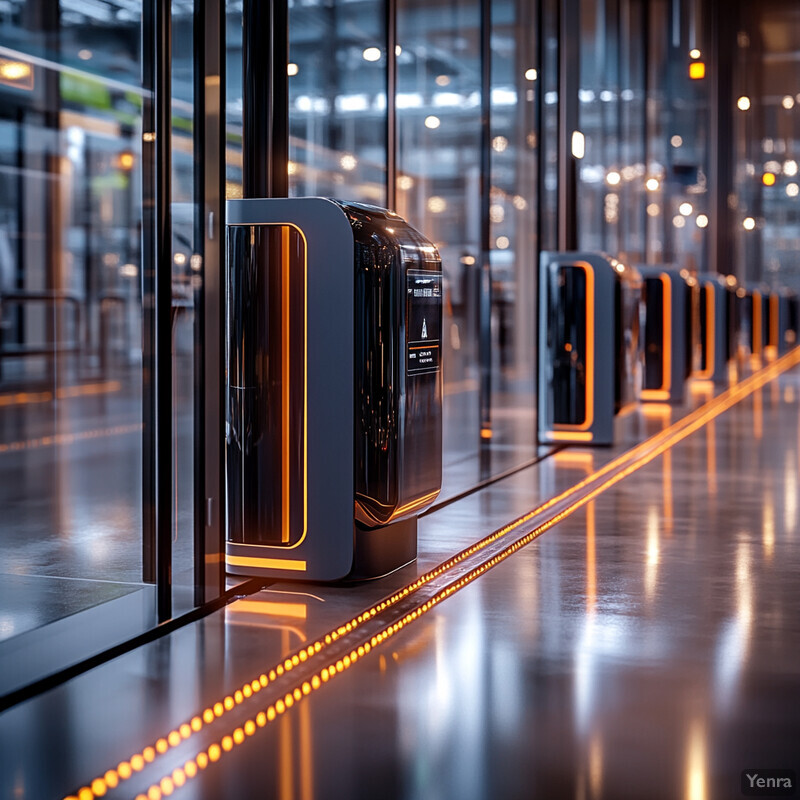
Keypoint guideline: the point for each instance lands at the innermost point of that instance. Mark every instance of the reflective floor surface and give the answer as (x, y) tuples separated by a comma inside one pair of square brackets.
[(645, 647)]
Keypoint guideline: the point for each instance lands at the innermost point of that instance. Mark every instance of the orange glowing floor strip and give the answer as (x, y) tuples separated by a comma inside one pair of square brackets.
[(625, 465)]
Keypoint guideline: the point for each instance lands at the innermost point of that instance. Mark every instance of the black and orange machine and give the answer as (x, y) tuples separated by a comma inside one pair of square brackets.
[(590, 358), (756, 319), (667, 333), (783, 305), (334, 388), (712, 341)]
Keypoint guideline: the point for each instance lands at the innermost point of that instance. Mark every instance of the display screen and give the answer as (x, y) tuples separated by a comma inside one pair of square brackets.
[(423, 321)]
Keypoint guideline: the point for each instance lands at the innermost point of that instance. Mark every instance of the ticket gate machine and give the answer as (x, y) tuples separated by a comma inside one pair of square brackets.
[(590, 359), (334, 388), (667, 333), (711, 362)]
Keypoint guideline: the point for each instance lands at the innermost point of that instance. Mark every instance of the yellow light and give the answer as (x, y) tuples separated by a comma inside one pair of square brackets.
[(432, 122), (372, 54), (697, 70), (792, 190), (613, 178), (125, 161), (748, 223), (653, 210), (531, 74), (348, 162), (694, 53), (685, 209), (652, 184), (436, 204), (702, 221), (292, 69), (442, 80), (788, 102), (768, 179), (14, 70), (743, 103), (676, 141), (214, 752), (578, 144)]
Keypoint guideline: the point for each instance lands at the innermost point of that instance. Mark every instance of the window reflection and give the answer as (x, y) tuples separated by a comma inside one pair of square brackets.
[(70, 308)]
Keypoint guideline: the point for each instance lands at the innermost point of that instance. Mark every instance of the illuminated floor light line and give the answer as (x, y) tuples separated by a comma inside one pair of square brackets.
[(638, 457)]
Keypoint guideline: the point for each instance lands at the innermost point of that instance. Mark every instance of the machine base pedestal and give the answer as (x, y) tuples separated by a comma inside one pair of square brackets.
[(379, 551)]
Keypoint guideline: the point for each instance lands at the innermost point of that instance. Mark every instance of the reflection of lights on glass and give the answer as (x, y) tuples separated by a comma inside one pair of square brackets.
[(792, 189), (14, 70), (679, 221), (743, 103), (773, 166), (196, 262), (436, 204), (702, 221), (685, 209), (84, 55), (372, 54), (125, 160), (606, 96), (520, 203), (768, 179), (398, 50), (613, 178), (179, 259), (442, 80), (676, 141), (348, 162), (531, 74), (652, 184), (611, 208), (432, 122), (499, 144), (129, 271), (578, 144), (291, 168), (405, 182), (694, 53), (653, 210), (628, 173), (788, 102), (748, 223), (468, 260), (502, 242), (292, 69), (790, 168), (497, 213)]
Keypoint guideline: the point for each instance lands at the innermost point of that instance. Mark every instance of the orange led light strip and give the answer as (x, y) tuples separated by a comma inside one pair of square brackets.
[(666, 345), (637, 457)]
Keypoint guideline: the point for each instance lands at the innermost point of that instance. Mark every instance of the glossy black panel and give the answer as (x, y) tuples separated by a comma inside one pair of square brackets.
[(398, 414), (654, 334)]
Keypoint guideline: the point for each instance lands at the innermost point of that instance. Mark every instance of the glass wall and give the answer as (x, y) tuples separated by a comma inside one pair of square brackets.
[(71, 312), (766, 103)]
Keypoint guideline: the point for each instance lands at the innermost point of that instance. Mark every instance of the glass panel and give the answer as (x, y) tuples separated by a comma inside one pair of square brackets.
[(512, 215), (438, 192), (337, 100), (70, 310), (186, 284)]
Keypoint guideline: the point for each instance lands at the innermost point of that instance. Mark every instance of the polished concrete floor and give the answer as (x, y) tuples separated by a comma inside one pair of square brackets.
[(645, 646)]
